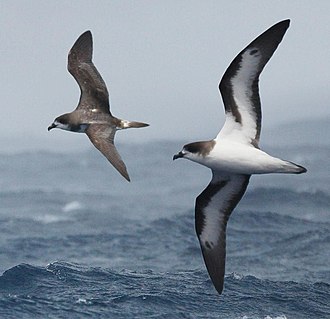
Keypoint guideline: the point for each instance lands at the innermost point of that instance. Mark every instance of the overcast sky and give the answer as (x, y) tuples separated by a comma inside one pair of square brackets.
[(162, 62)]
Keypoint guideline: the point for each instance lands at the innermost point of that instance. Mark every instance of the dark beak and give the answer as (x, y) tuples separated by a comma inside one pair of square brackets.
[(176, 156), (51, 126)]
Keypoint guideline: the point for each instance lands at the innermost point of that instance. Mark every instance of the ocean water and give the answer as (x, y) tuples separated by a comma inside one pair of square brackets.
[(78, 241)]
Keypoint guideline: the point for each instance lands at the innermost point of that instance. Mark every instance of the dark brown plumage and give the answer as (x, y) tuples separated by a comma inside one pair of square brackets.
[(92, 115)]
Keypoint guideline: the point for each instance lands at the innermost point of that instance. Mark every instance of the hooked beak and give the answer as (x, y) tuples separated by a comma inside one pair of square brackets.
[(51, 126), (179, 155)]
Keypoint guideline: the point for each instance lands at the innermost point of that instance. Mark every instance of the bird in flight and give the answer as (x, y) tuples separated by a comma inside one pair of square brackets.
[(92, 115), (234, 155)]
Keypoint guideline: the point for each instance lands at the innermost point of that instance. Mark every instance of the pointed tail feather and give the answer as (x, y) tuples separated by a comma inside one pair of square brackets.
[(299, 169), (294, 168), (137, 124), (128, 124)]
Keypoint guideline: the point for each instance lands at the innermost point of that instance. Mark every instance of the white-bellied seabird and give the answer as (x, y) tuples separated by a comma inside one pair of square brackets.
[(92, 115), (234, 155)]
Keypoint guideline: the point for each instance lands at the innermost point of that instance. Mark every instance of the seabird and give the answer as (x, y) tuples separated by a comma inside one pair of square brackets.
[(234, 155), (92, 115)]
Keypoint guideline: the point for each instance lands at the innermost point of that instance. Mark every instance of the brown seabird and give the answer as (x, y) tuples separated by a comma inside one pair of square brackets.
[(234, 155), (92, 115)]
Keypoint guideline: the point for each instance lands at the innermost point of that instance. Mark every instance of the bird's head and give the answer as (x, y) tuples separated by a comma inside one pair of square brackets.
[(195, 151), (61, 122), (68, 122), (186, 152)]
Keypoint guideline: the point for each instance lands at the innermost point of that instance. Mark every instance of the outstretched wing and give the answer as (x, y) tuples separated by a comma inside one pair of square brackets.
[(212, 210), (239, 86), (94, 93), (102, 136)]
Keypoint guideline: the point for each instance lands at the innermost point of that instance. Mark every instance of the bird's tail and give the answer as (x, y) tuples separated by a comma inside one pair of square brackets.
[(294, 168), (128, 124)]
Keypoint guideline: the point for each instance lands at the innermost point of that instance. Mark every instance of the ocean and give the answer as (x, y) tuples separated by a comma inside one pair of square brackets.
[(78, 241)]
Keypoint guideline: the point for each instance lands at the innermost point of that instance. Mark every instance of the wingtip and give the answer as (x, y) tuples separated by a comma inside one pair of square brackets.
[(219, 289), (84, 36), (122, 171), (86, 33), (277, 29), (217, 281), (82, 49), (285, 22)]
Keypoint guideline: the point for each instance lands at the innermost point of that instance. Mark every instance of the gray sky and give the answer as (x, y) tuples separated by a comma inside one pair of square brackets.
[(162, 62)]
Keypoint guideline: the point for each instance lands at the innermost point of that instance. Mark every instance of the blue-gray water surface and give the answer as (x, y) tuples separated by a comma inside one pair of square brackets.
[(78, 241)]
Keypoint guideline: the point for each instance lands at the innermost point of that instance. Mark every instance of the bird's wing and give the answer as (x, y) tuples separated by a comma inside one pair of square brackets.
[(212, 210), (102, 137), (239, 86), (94, 93)]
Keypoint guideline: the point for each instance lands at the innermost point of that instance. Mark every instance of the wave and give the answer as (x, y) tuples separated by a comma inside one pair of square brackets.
[(73, 290), (312, 205), (254, 195), (288, 195), (306, 205)]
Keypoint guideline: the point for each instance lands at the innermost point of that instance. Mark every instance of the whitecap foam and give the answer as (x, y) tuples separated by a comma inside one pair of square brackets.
[(71, 206), (83, 301), (49, 219), (237, 276), (267, 317)]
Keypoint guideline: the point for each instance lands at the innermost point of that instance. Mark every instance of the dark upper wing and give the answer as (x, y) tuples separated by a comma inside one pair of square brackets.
[(239, 85), (94, 93), (213, 208), (102, 137)]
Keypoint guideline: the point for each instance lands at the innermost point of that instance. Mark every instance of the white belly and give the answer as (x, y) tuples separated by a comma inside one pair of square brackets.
[(244, 159)]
